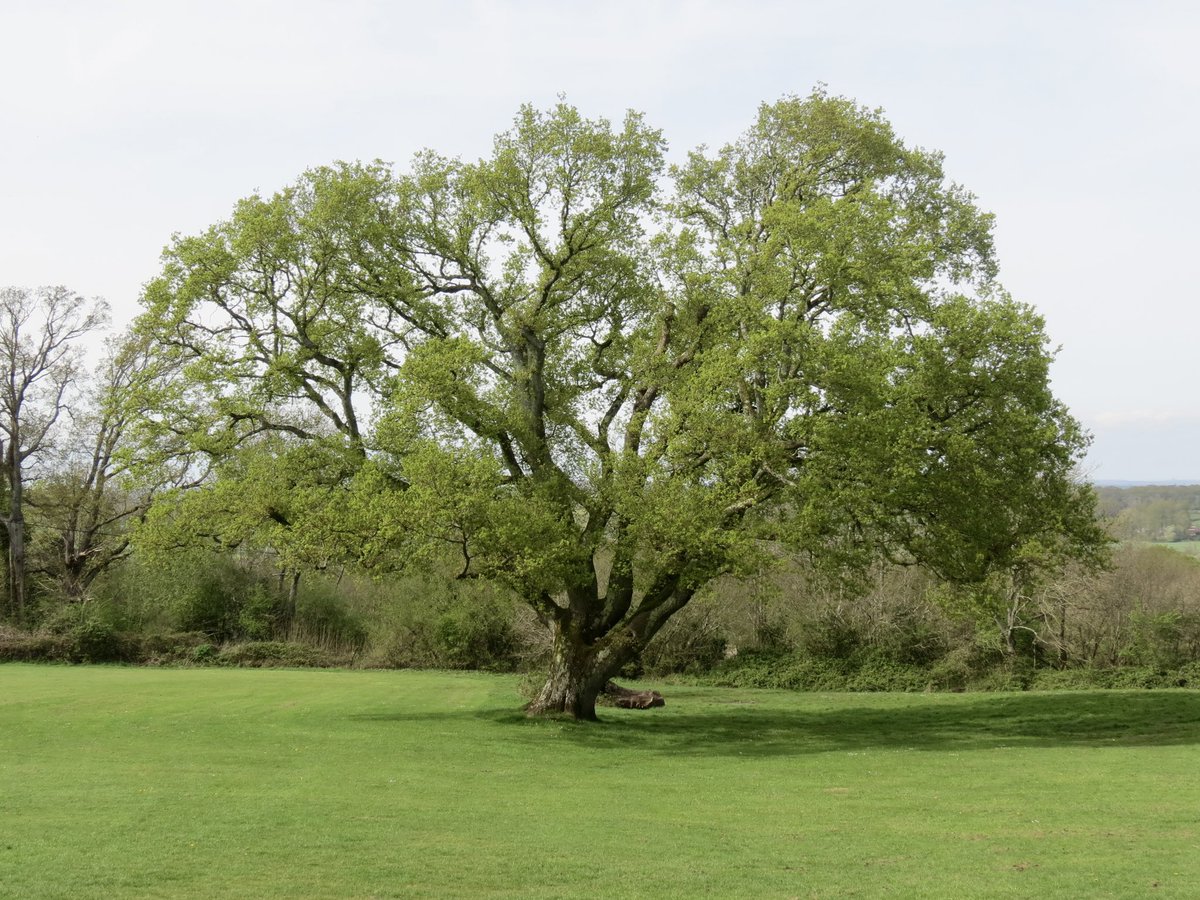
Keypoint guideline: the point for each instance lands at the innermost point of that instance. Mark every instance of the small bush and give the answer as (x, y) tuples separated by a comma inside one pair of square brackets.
[(210, 604), (690, 644), (953, 672), (1128, 677), (1000, 680), (434, 622), (1143, 677), (87, 635), (95, 641), (881, 673), (1189, 676), (476, 635), (791, 671), (204, 653), (324, 619), (833, 636), (864, 671), (911, 640), (771, 634), (165, 648), (21, 646), (257, 611), (273, 654)]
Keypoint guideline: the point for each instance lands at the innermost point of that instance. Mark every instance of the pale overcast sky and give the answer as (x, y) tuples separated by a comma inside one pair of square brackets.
[(1076, 123)]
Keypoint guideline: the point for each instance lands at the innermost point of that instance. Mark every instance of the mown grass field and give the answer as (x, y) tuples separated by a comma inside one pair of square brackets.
[(120, 782), (1188, 548)]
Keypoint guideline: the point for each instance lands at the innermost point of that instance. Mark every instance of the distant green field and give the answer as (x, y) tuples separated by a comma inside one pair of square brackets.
[(161, 783), (1191, 548)]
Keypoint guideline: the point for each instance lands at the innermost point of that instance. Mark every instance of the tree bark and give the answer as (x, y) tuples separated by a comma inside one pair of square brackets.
[(574, 681), (16, 569), (289, 590), (16, 530), (590, 649)]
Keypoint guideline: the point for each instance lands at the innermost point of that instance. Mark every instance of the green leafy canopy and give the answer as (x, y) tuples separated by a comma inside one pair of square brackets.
[(603, 381)]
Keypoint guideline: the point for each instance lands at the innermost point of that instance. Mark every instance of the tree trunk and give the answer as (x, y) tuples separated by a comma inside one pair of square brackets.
[(574, 681), (16, 570), (16, 541), (1063, 656), (289, 590), (9, 611), (594, 637)]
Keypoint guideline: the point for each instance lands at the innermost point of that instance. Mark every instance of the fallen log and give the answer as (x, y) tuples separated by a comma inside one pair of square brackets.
[(629, 699)]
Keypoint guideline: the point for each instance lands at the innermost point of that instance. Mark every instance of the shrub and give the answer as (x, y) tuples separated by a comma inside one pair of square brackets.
[(21, 646), (692, 643), (881, 673), (1189, 675), (1130, 677), (1142, 677), (324, 619), (1163, 640), (833, 636), (442, 623), (95, 641), (225, 601), (204, 653), (772, 669), (953, 672), (87, 635), (867, 670), (257, 611), (162, 648), (910, 638), (273, 654), (1001, 680), (476, 635)]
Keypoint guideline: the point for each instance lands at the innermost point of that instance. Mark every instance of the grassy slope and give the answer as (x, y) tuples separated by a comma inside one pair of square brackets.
[(235, 783)]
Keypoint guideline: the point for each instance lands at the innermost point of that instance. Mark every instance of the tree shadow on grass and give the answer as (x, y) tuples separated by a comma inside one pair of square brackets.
[(946, 723), (987, 722)]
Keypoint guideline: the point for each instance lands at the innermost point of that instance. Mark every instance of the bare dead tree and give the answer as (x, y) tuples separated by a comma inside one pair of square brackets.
[(40, 333), (99, 485)]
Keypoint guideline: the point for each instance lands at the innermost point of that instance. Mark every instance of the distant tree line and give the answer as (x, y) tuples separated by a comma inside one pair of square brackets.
[(1156, 513)]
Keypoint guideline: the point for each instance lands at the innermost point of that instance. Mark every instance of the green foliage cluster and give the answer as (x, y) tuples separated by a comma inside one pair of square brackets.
[(21, 646), (802, 672), (89, 639), (1121, 678), (1140, 617), (1136, 625), (959, 670), (425, 622), (205, 608)]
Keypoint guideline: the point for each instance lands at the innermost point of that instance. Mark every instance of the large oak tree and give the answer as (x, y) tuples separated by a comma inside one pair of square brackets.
[(603, 382)]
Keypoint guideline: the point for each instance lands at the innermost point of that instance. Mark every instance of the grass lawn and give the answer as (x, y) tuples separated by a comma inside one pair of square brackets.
[(121, 782)]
